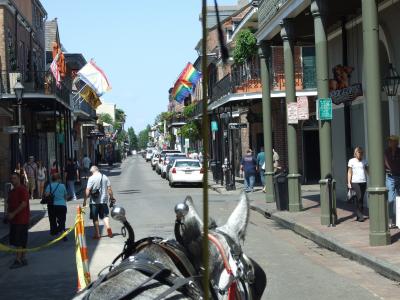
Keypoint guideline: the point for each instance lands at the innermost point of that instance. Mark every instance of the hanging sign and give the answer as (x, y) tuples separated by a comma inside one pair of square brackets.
[(324, 109), (302, 108), (214, 126), (292, 113)]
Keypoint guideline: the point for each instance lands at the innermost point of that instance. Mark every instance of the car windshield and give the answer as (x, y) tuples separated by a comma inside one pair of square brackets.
[(187, 163)]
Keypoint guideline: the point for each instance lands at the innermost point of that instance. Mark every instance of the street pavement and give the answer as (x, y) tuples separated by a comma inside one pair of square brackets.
[(296, 268)]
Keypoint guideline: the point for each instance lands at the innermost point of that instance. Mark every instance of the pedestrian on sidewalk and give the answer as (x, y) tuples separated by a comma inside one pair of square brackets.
[(261, 166), (392, 169), (58, 210), (249, 166), (18, 217), (31, 171), (357, 180), (41, 178), (100, 193), (72, 175)]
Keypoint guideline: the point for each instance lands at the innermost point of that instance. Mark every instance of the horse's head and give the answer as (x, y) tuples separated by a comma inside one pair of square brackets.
[(227, 262)]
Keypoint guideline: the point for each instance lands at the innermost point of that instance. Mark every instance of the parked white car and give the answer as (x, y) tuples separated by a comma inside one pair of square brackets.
[(166, 160), (185, 171), (163, 153), (149, 154), (154, 159)]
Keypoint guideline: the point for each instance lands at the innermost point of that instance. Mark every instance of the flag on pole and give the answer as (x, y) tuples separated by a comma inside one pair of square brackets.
[(93, 76), (186, 82), (55, 71)]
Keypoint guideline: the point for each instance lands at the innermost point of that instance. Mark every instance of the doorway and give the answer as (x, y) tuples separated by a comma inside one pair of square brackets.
[(311, 163)]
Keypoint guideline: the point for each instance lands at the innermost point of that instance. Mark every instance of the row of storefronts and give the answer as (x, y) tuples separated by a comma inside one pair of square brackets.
[(345, 51), (56, 122)]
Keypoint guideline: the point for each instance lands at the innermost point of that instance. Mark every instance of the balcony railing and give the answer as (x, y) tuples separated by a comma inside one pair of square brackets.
[(249, 81), (42, 82), (85, 107)]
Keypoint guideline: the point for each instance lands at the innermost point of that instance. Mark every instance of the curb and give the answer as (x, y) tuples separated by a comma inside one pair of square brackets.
[(380, 266)]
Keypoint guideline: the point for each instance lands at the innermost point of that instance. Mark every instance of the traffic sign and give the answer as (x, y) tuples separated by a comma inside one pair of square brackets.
[(237, 125), (324, 109), (13, 129)]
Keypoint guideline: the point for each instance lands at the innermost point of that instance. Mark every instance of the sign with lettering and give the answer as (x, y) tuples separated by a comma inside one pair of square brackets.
[(292, 110), (324, 106), (302, 108), (237, 125), (346, 94)]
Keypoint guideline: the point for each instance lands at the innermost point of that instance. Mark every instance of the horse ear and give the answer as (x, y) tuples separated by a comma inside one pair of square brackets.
[(236, 225), (192, 230)]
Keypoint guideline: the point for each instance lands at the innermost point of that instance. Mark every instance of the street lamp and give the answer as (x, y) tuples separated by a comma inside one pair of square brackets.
[(19, 93), (391, 82)]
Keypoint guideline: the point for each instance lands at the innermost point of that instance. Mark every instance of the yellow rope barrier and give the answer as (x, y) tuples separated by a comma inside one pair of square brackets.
[(5, 248)]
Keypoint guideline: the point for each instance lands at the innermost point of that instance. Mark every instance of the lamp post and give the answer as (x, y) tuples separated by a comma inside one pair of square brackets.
[(391, 84), (19, 93)]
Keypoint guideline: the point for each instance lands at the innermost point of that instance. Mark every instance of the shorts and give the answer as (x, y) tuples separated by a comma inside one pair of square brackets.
[(98, 211), (19, 235), (32, 183)]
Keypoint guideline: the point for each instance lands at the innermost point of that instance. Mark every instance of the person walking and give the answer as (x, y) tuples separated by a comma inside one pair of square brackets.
[(58, 209), (392, 169), (357, 180), (249, 166), (54, 168), (100, 193), (41, 178), (261, 166), (71, 175), (31, 171), (18, 217), (22, 174), (86, 162)]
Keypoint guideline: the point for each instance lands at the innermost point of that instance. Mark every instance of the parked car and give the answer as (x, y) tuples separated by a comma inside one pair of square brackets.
[(162, 157), (149, 153), (185, 171), (166, 160), (154, 159)]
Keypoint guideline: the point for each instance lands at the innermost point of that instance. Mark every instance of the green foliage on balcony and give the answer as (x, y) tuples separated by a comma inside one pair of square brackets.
[(191, 130), (246, 46), (188, 111)]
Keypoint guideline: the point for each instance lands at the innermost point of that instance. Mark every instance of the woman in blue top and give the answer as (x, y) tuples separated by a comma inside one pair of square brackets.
[(58, 210)]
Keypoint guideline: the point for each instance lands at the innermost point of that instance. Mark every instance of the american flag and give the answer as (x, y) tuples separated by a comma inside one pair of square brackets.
[(55, 71)]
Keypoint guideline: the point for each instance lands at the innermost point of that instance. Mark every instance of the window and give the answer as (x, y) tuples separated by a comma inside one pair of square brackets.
[(194, 164)]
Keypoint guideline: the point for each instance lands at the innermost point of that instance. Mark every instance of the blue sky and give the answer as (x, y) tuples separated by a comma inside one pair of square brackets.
[(141, 45)]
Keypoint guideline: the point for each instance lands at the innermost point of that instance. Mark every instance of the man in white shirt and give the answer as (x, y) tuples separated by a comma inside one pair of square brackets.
[(99, 191)]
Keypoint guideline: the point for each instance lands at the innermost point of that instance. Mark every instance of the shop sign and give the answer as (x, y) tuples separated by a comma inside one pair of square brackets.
[(237, 125), (13, 129), (347, 94), (214, 126), (292, 113), (324, 109), (302, 108)]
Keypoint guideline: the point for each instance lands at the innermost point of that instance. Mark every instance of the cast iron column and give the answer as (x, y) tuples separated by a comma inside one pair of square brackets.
[(378, 208), (325, 132), (293, 176), (264, 52)]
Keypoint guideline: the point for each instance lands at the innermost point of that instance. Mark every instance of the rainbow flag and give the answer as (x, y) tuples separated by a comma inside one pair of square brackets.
[(186, 82), (190, 74)]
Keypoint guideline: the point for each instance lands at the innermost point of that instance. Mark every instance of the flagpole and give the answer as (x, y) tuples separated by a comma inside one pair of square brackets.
[(78, 93), (205, 126)]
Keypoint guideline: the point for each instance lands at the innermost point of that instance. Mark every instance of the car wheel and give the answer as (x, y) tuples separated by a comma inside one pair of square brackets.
[(171, 184), (162, 175)]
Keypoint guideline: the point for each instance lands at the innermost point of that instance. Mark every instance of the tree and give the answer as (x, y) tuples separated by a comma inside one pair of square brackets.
[(133, 139), (246, 46), (120, 118), (143, 138), (106, 118)]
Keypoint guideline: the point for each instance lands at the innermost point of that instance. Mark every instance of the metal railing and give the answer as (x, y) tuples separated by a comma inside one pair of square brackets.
[(85, 107), (35, 82)]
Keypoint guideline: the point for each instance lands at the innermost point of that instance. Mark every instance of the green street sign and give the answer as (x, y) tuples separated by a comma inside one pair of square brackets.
[(324, 109), (214, 126)]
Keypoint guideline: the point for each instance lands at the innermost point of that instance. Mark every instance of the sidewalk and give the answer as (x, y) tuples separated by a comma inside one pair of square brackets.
[(39, 211), (349, 238)]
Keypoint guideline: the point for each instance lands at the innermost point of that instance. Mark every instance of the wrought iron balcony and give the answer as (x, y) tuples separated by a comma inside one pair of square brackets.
[(41, 82), (82, 105)]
